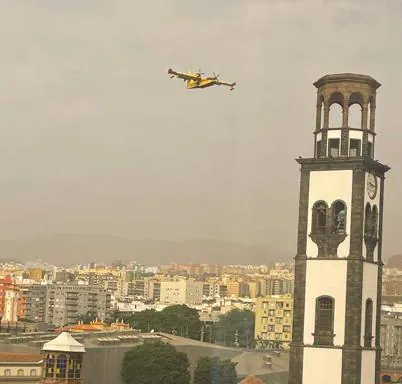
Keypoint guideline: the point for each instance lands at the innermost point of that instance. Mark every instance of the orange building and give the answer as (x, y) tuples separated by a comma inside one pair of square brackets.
[(10, 298)]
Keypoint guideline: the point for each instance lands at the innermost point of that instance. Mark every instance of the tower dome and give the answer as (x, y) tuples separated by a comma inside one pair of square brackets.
[(62, 360)]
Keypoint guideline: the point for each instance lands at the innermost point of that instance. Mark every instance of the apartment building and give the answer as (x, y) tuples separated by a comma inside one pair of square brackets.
[(214, 289), (63, 304), (35, 307), (181, 292), (273, 319)]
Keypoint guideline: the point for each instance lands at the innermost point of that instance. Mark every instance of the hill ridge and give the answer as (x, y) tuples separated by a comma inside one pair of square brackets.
[(67, 249)]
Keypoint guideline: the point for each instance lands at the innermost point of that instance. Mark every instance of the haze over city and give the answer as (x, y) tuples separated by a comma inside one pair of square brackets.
[(96, 139)]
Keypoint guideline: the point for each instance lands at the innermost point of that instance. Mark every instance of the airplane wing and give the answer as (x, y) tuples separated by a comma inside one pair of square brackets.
[(180, 75)]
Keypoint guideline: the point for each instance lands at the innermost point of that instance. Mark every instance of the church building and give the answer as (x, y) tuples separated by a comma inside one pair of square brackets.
[(338, 267)]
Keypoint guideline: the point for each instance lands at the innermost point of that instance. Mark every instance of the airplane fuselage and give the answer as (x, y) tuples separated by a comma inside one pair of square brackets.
[(202, 83)]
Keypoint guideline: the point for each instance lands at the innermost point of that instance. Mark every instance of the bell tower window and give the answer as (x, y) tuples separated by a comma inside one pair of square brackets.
[(338, 217), (333, 147), (354, 148), (320, 217), (324, 321)]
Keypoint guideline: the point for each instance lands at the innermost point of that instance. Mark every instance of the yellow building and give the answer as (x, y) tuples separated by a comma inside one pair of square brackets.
[(36, 274), (273, 319)]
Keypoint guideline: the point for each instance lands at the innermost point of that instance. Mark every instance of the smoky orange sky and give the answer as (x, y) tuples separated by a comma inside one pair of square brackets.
[(96, 138)]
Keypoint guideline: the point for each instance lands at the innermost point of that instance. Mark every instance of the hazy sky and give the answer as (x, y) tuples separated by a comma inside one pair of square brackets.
[(96, 138)]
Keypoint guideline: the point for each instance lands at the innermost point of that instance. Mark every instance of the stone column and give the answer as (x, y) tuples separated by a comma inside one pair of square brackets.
[(364, 115), (318, 116), (345, 113), (326, 115)]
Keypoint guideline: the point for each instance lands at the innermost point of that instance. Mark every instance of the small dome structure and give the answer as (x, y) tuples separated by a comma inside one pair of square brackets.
[(64, 343)]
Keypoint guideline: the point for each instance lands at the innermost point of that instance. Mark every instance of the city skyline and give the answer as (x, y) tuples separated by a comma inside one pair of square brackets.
[(84, 150)]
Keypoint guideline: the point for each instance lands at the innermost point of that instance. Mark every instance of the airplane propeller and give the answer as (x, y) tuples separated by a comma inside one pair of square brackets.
[(216, 75)]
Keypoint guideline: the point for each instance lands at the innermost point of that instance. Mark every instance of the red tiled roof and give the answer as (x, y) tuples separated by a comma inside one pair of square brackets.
[(252, 380), (6, 357)]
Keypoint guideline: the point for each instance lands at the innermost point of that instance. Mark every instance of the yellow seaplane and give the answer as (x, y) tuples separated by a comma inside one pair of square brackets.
[(196, 80)]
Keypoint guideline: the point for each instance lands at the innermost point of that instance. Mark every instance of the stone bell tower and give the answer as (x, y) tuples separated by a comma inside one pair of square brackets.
[(62, 362), (338, 267)]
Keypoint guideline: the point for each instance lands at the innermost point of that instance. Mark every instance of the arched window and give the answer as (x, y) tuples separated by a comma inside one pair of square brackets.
[(20, 372), (338, 214), (370, 230), (7, 372), (335, 119), (32, 372), (355, 116), (320, 217), (374, 220), (49, 365), (367, 218), (324, 321), (61, 367), (355, 110), (386, 379), (335, 116), (368, 324)]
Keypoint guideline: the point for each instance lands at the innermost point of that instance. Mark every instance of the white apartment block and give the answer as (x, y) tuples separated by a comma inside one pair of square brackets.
[(181, 292)]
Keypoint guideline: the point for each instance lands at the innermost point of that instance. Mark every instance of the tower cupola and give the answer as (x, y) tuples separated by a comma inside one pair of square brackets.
[(338, 133), (62, 360)]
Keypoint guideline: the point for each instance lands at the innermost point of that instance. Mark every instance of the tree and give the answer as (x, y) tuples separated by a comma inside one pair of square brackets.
[(155, 363), (237, 321), (212, 370), (183, 320), (178, 319), (146, 320)]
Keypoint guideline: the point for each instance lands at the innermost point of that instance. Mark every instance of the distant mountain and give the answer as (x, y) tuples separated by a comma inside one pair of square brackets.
[(74, 249), (395, 261)]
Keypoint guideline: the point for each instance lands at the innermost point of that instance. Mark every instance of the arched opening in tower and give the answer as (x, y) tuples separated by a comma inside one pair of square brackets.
[(355, 116), (335, 116)]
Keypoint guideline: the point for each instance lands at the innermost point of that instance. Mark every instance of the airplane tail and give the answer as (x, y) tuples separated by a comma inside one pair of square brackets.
[(171, 72), (232, 86)]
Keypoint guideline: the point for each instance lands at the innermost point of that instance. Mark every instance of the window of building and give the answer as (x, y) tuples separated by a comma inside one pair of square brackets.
[(368, 325), (324, 321), (318, 148), (354, 148), (33, 372), (49, 366), (333, 147), (7, 372), (320, 213), (338, 217), (61, 366), (20, 372)]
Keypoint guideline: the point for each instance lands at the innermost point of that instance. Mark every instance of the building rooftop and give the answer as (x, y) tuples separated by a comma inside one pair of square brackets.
[(64, 343), (7, 357), (347, 77)]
